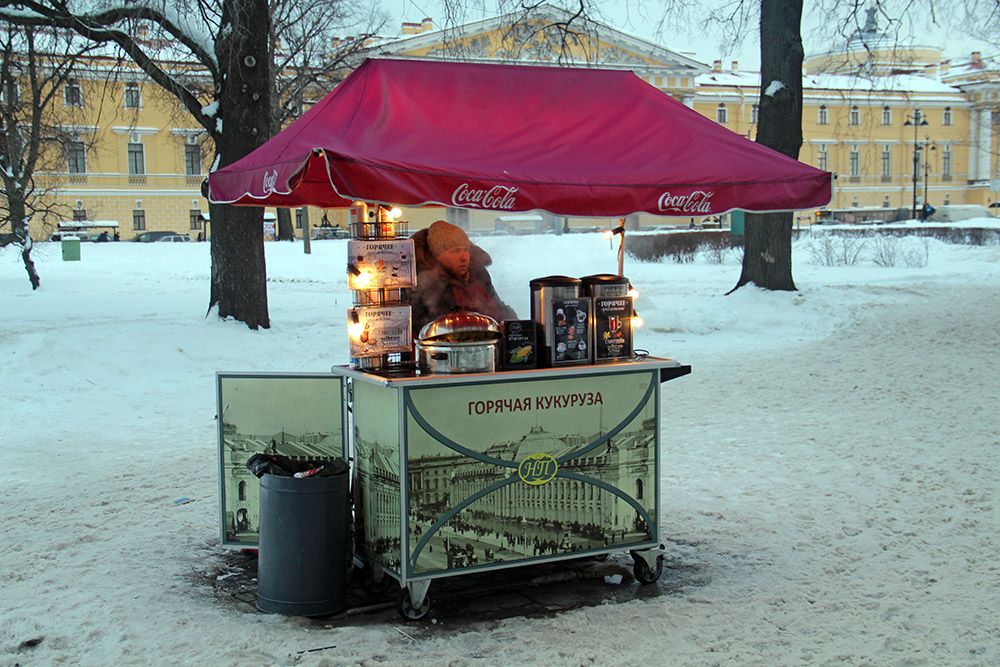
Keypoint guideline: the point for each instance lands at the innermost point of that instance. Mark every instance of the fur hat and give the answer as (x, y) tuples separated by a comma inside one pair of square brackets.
[(443, 236)]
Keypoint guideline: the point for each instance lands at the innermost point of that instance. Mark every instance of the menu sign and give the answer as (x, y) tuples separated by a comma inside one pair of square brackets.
[(378, 330), (571, 331), (612, 328), (385, 264)]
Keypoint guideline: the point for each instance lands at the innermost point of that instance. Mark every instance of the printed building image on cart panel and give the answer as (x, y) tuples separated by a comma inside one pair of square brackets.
[(514, 471), (297, 416)]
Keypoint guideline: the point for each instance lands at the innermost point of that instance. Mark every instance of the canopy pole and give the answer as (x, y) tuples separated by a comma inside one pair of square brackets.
[(620, 229)]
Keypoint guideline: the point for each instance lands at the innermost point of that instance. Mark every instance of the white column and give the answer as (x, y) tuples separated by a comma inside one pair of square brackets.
[(980, 140), (985, 141)]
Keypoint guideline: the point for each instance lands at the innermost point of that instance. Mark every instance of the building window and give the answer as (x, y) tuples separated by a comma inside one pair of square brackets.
[(886, 162), (824, 117), (73, 93), (138, 220), (946, 162), (301, 216), (136, 160), (947, 200), (885, 202), (192, 159), (79, 214), (721, 116), (197, 222), (886, 116), (133, 100), (638, 488), (823, 158), (855, 116), (947, 118), (754, 113), (855, 162), (241, 490), (76, 157)]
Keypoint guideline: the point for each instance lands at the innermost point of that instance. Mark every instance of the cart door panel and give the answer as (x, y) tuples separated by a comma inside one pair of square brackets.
[(516, 470), (295, 415)]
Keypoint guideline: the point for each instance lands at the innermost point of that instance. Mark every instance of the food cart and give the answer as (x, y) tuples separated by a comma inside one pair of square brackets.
[(472, 469)]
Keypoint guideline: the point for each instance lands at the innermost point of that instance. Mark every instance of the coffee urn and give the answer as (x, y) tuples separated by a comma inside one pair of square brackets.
[(563, 318), (612, 316)]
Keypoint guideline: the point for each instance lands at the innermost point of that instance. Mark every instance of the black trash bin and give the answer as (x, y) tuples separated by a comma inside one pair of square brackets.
[(304, 547)]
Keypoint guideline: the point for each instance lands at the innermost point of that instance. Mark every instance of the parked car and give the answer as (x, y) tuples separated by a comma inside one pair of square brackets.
[(175, 238), (148, 237)]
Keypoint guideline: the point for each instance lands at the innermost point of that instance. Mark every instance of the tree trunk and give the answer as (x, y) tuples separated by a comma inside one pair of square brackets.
[(767, 250), (239, 273), (22, 234), (284, 231)]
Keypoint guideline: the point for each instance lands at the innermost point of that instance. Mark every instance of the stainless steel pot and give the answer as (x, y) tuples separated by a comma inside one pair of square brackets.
[(459, 342), (469, 357)]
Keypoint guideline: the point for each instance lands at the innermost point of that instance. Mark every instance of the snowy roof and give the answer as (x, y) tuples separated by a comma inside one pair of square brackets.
[(985, 65), (898, 83)]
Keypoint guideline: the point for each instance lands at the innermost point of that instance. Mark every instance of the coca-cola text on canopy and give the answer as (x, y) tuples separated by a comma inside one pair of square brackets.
[(499, 197), (698, 201)]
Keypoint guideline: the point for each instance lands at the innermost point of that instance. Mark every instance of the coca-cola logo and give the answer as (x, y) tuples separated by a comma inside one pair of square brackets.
[(498, 197), (698, 201), (270, 178)]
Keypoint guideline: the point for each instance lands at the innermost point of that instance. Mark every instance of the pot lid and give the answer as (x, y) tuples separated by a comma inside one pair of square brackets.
[(460, 326), (605, 278), (554, 281)]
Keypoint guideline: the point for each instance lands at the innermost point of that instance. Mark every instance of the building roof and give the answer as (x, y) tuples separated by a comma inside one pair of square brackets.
[(622, 50)]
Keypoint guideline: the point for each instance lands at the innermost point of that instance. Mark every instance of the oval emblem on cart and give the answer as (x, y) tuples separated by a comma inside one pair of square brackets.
[(537, 469)]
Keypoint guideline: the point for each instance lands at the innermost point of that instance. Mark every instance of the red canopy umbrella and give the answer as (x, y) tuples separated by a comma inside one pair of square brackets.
[(570, 141)]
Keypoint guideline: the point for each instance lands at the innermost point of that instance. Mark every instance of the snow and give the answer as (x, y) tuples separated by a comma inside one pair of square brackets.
[(829, 479), (773, 88), (817, 82), (209, 110)]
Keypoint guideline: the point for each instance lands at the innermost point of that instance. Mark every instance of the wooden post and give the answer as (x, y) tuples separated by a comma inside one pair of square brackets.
[(306, 236)]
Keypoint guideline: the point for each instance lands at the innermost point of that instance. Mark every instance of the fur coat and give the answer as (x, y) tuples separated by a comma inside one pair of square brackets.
[(435, 293)]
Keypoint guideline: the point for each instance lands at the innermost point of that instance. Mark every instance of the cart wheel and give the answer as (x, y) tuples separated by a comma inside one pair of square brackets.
[(643, 574), (404, 605)]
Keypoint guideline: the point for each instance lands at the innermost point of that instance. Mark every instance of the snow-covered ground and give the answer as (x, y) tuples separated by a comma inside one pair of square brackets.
[(831, 465)]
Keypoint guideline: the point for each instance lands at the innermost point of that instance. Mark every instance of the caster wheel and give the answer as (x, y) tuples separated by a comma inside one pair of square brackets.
[(642, 572), (404, 605)]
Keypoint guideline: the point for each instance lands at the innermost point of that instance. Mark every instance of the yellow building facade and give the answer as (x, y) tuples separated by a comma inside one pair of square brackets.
[(134, 161), (898, 128)]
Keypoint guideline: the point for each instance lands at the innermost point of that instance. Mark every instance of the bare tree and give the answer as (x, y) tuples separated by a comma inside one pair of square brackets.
[(767, 245), (227, 42), (215, 57), (36, 128), (312, 50)]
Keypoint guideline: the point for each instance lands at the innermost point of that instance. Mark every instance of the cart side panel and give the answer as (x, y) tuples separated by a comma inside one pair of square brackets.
[(295, 415), (523, 469), (376, 457)]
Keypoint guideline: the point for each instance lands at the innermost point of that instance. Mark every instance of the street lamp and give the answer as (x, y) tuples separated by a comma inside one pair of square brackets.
[(917, 121), (927, 147)]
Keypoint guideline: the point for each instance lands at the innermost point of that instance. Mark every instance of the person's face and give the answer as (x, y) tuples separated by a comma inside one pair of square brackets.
[(455, 260)]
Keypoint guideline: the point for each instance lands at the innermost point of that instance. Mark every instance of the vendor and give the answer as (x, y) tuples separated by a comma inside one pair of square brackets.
[(451, 273)]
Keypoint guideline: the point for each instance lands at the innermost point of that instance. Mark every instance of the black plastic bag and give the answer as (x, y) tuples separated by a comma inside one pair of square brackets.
[(274, 464)]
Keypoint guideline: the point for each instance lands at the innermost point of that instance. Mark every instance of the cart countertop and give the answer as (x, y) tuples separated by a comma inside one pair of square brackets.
[(669, 369)]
